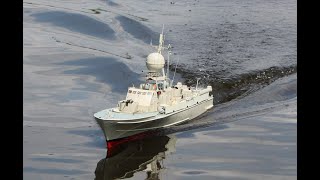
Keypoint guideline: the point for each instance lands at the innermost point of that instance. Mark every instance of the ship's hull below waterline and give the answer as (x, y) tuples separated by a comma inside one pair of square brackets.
[(114, 130)]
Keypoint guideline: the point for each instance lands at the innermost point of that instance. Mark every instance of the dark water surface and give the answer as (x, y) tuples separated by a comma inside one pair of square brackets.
[(75, 64)]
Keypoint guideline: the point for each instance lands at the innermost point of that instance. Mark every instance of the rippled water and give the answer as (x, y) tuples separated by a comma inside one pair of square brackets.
[(80, 56)]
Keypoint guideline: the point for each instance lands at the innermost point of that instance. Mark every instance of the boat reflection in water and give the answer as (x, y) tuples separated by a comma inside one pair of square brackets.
[(140, 155)]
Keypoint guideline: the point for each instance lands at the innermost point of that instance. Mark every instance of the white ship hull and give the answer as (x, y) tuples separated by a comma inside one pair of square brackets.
[(115, 129)]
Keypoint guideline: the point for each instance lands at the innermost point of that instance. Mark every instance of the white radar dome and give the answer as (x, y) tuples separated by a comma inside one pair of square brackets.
[(155, 62)]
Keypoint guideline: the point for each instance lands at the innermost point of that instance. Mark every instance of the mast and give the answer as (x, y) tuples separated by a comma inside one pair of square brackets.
[(175, 69), (168, 64), (161, 41), (197, 83)]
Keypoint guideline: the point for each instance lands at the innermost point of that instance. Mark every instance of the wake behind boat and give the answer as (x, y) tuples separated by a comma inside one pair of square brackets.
[(155, 104)]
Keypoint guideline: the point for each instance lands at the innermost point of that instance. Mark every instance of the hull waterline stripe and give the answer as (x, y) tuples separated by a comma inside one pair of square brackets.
[(209, 107), (176, 122), (156, 127), (136, 121)]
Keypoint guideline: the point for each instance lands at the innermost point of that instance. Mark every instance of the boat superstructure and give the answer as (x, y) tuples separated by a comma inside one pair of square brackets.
[(156, 103)]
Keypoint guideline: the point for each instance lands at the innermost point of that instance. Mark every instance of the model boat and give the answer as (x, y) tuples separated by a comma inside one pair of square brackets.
[(155, 104)]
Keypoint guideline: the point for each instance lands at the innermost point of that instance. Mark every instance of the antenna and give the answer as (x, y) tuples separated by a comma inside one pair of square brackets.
[(162, 28), (197, 83), (161, 41), (175, 69), (157, 85), (169, 53)]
